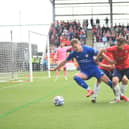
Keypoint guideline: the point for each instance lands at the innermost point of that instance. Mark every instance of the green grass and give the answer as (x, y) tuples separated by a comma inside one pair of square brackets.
[(29, 106)]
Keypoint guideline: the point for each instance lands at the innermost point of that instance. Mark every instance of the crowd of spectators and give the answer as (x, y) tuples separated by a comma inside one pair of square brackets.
[(65, 31), (107, 34)]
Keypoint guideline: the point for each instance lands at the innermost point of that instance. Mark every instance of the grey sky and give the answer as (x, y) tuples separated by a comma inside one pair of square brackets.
[(15, 12)]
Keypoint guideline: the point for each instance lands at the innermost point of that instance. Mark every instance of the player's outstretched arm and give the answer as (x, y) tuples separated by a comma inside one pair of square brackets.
[(110, 66), (99, 54), (108, 59), (60, 65)]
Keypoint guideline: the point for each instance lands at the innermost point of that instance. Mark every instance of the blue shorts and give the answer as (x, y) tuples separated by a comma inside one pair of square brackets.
[(96, 72), (121, 73)]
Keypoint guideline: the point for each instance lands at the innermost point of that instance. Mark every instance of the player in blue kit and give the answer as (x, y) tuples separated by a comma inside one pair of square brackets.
[(88, 67)]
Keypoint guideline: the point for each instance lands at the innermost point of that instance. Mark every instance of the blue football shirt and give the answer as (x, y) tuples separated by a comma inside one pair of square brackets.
[(85, 58)]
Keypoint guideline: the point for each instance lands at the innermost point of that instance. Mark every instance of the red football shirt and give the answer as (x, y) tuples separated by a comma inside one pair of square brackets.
[(104, 61), (120, 56)]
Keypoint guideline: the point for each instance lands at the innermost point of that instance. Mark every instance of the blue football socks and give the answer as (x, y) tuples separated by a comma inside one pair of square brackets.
[(80, 82), (110, 83)]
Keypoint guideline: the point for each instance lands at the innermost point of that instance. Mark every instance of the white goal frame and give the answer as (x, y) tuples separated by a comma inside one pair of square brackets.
[(30, 53)]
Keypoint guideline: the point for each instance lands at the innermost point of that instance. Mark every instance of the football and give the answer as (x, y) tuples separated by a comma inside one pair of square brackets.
[(58, 100)]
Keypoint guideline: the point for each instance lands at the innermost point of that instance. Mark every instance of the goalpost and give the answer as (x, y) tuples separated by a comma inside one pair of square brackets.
[(46, 48)]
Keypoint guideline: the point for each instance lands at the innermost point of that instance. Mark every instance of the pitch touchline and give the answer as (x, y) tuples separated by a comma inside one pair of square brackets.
[(30, 103), (5, 87), (19, 83)]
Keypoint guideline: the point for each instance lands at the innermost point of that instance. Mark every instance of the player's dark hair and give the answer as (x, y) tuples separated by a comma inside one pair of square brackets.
[(74, 41), (112, 44), (121, 40)]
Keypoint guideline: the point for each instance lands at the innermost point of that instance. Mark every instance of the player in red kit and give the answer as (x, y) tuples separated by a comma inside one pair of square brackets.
[(120, 54), (108, 68)]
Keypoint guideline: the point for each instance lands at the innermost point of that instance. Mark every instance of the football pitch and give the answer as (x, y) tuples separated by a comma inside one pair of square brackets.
[(30, 106)]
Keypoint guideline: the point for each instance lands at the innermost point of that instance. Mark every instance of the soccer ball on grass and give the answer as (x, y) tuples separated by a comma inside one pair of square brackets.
[(58, 100)]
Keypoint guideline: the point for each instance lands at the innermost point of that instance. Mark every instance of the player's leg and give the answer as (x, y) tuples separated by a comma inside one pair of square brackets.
[(96, 91), (117, 76), (79, 78), (57, 73), (123, 86), (116, 88), (97, 85), (127, 76), (105, 79), (113, 85), (99, 74), (65, 73)]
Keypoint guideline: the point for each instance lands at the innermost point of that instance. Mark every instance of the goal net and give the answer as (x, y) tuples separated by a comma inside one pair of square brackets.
[(14, 62), (16, 58)]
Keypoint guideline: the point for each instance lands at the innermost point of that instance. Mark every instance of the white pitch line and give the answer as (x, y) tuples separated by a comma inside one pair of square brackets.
[(5, 87), (20, 83)]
